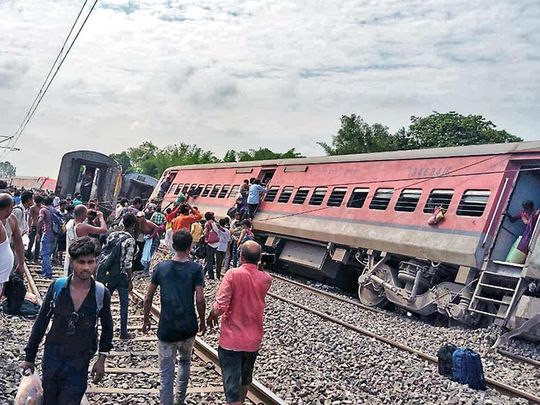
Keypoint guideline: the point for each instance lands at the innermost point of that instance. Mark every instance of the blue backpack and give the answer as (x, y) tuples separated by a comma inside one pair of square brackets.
[(61, 283), (467, 368), (57, 221)]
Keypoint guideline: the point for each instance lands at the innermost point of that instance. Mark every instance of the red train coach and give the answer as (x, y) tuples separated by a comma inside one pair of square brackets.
[(424, 229)]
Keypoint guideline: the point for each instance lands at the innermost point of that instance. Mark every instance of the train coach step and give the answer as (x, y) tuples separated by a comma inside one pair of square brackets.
[(497, 287)]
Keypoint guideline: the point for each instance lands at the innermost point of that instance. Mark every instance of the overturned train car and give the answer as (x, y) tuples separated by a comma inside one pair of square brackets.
[(424, 229)]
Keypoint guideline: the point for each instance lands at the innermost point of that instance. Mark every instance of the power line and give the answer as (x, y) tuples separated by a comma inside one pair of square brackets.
[(46, 84)]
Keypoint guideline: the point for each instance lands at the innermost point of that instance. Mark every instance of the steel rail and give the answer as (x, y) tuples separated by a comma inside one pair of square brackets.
[(257, 393), (498, 385)]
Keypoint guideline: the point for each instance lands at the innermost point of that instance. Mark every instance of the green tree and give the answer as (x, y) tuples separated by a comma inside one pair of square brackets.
[(453, 129), (7, 169), (142, 157), (357, 136), (124, 161), (230, 156), (266, 154)]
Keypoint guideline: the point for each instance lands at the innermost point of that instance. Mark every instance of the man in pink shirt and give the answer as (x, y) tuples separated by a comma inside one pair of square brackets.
[(240, 299)]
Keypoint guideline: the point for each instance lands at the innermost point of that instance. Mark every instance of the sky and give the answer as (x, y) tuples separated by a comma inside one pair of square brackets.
[(233, 74)]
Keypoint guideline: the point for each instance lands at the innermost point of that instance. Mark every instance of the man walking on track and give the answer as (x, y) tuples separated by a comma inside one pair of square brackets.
[(75, 304), (179, 280), (240, 299)]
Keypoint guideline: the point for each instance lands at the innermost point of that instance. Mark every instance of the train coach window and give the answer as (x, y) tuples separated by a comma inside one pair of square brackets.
[(408, 200), (318, 196), (381, 199), (473, 203), (271, 194), (234, 191), (214, 191), (178, 188), (185, 189), (300, 195), (206, 190), (438, 198), (358, 198), (224, 191), (172, 188), (337, 196), (285, 194)]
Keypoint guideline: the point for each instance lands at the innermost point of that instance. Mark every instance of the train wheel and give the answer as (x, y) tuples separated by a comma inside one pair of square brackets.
[(373, 296)]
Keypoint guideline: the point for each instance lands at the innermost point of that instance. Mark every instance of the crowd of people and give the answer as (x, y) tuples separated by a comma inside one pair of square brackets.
[(103, 253)]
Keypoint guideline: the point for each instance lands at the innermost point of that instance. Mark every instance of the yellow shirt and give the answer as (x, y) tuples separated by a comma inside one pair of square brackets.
[(196, 231)]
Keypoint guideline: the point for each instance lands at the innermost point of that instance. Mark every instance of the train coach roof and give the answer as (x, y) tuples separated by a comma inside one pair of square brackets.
[(471, 150)]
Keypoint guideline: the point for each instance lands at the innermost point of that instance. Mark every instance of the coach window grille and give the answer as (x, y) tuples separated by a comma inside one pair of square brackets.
[(192, 192), (336, 197), (185, 189), (438, 198), (358, 198), (318, 196), (172, 188), (224, 191), (473, 203), (234, 191), (285, 194), (301, 195), (381, 199), (206, 190), (178, 188), (408, 200), (215, 191), (271, 194)]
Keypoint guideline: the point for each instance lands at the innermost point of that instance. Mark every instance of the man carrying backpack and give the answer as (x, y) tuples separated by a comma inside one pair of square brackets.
[(115, 267), (74, 303)]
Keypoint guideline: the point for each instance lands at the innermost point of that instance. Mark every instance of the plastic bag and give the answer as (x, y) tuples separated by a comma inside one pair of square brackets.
[(30, 391)]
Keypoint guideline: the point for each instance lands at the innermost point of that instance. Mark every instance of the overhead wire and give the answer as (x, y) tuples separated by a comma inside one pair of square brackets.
[(49, 79)]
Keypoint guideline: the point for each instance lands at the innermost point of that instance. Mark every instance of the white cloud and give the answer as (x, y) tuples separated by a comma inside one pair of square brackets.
[(243, 74)]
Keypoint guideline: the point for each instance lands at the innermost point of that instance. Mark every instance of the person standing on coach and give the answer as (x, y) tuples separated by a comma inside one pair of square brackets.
[(240, 299), (256, 191), (179, 280), (72, 339)]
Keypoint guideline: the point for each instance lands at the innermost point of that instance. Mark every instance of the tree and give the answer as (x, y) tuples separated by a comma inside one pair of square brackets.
[(453, 129), (7, 169), (230, 156), (434, 131), (141, 157), (266, 154), (357, 136), (124, 161)]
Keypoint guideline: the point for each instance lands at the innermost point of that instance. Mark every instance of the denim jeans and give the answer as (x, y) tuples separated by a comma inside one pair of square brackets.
[(123, 294), (236, 371), (210, 259), (31, 240), (167, 357), (235, 252), (48, 243), (220, 257), (64, 377)]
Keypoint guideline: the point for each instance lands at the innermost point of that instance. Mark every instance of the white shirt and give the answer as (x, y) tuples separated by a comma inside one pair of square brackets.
[(22, 218), (224, 239)]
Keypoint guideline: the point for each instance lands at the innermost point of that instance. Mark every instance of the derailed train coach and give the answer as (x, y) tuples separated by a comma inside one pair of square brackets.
[(98, 176), (423, 229)]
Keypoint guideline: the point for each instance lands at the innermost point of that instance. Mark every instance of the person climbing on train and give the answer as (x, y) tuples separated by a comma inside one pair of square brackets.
[(78, 228), (256, 193), (241, 299), (75, 304), (179, 279), (115, 267)]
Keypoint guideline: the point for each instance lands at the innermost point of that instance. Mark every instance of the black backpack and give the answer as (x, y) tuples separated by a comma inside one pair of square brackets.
[(15, 292), (109, 260), (444, 356)]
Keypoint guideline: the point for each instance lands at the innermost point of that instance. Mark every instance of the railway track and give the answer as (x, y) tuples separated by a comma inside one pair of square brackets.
[(132, 375), (495, 384), (502, 352)]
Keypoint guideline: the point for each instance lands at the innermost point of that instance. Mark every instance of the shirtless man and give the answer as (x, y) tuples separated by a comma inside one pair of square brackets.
[(33, 216)]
